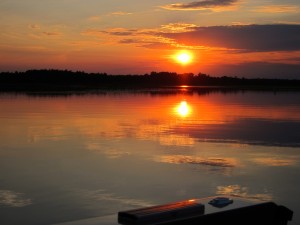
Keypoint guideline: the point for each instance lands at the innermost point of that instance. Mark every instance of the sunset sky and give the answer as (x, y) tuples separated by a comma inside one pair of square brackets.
[(250, 38)]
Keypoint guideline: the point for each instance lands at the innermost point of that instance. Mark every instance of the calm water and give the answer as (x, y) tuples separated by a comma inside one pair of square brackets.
[(65, 158)]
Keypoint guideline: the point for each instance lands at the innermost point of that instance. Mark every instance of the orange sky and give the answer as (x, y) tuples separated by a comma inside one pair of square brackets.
[(230, 37)]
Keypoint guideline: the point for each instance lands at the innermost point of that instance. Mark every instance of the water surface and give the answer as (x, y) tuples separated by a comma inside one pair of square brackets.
[(70, 157)]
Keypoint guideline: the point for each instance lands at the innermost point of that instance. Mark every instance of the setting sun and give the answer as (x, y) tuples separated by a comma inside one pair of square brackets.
[(184, 57)]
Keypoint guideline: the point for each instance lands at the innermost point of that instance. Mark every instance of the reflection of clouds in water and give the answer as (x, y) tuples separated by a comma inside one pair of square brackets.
[(252, 131), (176, 140), (153, 132), (185, 159), (53, 133), (108, 151), (13, 199), (103, 196), (275, 161), (161, 134), (238, 191)]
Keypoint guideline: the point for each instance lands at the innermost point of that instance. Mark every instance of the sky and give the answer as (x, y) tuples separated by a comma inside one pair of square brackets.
[(244, 38)]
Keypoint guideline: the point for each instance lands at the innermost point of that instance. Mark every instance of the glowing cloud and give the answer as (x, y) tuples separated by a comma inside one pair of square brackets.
[(120, 13), (178, 27)]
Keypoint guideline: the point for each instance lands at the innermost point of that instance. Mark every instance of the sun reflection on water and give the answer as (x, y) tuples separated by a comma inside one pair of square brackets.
[(183, 109)]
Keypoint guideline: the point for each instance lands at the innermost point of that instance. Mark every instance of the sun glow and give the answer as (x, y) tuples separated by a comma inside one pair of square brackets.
[(183, 57), (183, 109)]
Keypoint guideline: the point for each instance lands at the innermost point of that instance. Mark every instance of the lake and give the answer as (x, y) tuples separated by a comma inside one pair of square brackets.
[(73, 156)]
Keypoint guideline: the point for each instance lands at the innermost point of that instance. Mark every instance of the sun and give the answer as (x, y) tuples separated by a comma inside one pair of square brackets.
[(184, 57)]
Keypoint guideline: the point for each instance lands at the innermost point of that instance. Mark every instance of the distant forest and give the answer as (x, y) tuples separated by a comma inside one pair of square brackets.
[(51, 80)]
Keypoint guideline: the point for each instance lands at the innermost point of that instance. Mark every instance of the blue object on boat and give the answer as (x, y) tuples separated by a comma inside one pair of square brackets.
[(220, 202)]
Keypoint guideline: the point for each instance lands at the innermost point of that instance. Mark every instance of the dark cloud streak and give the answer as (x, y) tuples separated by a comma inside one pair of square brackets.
[(252, 38), (199, 5)]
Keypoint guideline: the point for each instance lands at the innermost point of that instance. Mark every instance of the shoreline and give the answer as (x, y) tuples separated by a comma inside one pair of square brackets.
[(65, 81)]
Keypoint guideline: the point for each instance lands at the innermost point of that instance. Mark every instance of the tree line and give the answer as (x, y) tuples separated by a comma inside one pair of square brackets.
[(48, 79)]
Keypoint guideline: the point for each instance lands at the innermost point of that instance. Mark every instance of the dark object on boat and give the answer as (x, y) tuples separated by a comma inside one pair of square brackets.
[(209, 211), (161, 213), (220, 202)]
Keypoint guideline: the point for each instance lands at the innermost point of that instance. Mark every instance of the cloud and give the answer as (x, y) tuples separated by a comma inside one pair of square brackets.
[(34, 26), (146, 38), (51, 33), (121, 32), (112, 31), (201, 5), (178, 27), (121, 13), (235, 39), (129, 41), (277, 9), (165, 28), (248, 38)]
